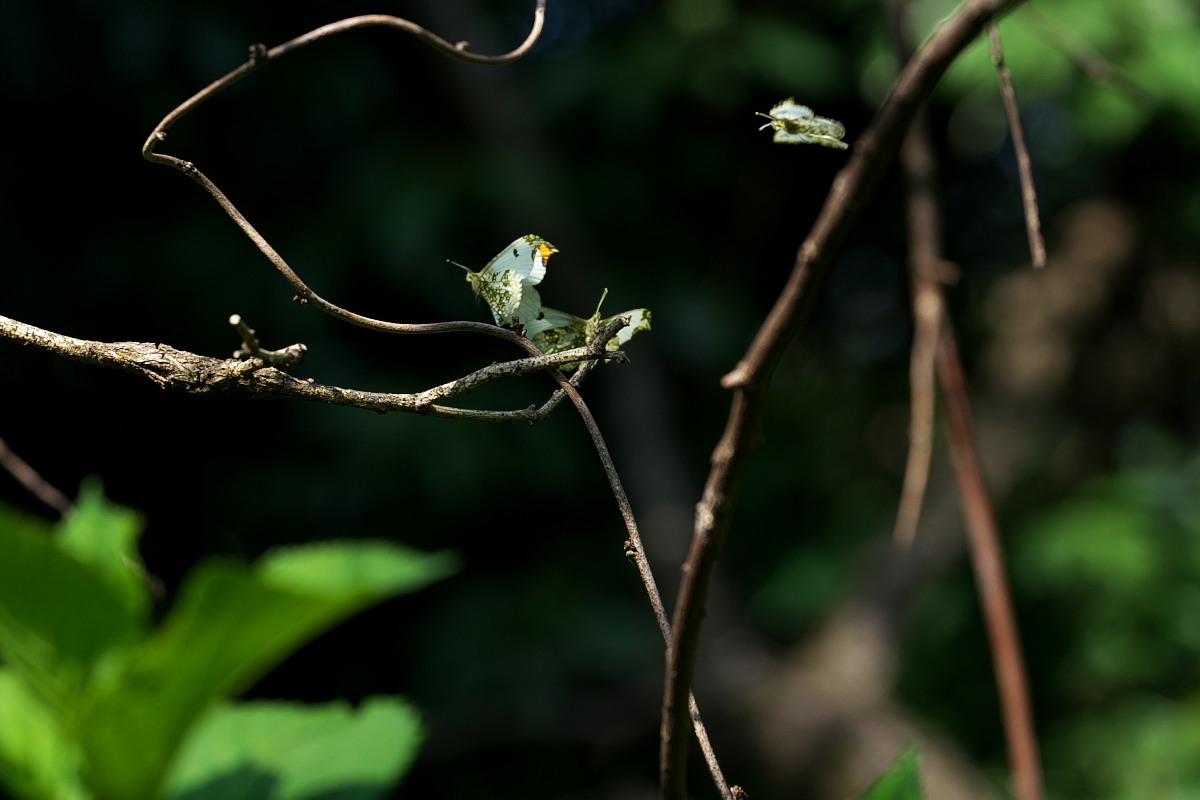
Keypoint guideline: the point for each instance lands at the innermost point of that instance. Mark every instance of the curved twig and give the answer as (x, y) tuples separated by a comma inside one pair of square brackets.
[(637, 552), (751, 377), (259, 57)]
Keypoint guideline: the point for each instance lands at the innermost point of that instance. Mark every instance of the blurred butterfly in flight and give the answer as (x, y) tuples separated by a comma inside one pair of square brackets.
[(507, 281), (796, 124), (554, 331)]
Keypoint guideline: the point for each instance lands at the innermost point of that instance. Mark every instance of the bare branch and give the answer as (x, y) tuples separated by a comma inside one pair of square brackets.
[(935, 350), (289, 356), (927, 271), (259, 57), (636, 551), (28, 477), (1033, 221), (750, 378), (987, 558), (181, 370)]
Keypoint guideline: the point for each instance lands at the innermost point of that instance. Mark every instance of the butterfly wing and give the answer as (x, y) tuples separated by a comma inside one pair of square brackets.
[(797, 124), (639, 320), (526, 256), (502, 291), (790, 109), (554, 331), (507, 281)]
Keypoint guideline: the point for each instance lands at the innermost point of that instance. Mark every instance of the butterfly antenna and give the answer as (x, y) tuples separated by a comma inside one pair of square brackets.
[(597, 314)]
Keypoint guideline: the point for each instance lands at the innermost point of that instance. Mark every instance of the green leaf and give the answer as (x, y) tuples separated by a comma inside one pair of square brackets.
[(58, 617), (288, 751), (37, 759), (105, 535), (230, 625), (901, 782), (371, 567)]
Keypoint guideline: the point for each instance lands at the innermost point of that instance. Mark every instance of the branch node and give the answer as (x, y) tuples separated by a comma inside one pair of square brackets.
[(258, 53), (737, 378), (251, 349)]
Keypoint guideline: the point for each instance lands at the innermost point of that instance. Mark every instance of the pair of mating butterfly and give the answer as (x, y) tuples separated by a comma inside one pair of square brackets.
[(507, 282)]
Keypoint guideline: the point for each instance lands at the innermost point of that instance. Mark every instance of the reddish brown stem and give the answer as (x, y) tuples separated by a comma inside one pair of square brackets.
[(987, 558), (750, 378)]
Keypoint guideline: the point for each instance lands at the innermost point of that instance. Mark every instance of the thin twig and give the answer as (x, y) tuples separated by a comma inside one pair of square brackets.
[(1033, 221), (289, 356), (927, 272), (635, 550), (307, 296), (750, 378), (259, 57), (987, 558), (28, 477), (935, 350)]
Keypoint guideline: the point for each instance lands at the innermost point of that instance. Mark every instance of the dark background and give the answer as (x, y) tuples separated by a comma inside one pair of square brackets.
[(628, 139)]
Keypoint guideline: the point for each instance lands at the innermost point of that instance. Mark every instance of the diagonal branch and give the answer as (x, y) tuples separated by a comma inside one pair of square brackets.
[(750, 378), (991, 578), (1033, 221), (38, 486), (637, 552)]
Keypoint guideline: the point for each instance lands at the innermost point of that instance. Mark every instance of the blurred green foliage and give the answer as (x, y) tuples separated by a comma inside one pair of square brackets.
[(901, 782), (96, 704)]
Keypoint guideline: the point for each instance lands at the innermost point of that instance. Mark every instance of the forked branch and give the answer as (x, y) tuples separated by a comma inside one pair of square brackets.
[(254, 377), (750, 378)]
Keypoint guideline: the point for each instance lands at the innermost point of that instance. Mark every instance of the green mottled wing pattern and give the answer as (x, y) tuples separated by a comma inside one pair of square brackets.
[(555, 331), (506, 282)]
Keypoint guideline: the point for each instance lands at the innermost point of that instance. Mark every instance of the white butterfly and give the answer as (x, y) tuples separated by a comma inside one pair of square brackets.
[(507, 281), (796, 124), (554, 331)]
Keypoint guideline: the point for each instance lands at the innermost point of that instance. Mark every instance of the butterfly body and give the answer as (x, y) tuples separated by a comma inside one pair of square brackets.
[(797, 124), (506, 282)]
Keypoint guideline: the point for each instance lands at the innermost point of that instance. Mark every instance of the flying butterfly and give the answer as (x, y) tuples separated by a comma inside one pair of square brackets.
[(506, 282), (554, 331), (796, 124)]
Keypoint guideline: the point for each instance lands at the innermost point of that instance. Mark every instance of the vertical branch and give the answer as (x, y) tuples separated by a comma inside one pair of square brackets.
[(1033, 221), (751, 377), (926, 269), (636, 550), (987, 558), (934, 341)]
